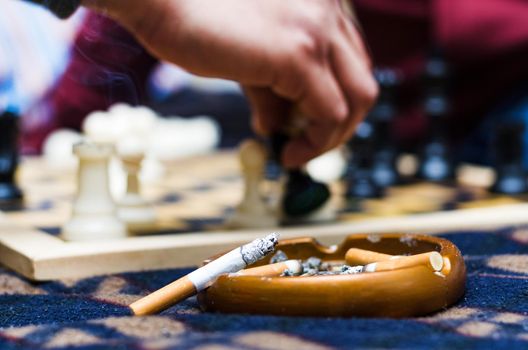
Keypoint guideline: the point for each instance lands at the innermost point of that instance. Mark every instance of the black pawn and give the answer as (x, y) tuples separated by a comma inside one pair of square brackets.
[(384, 170), (10, 194), (508, 145), (360, 183), (436, 162), (302, 195)]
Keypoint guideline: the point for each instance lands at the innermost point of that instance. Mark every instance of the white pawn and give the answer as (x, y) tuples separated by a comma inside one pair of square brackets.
[(253, 211), (94, 215), (133, 210)]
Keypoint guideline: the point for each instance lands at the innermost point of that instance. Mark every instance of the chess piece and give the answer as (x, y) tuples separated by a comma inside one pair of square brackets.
[(328, 167), (436, 163), (58, 147), (133, 210), (94, 214), (384, 170), (304, 199), (10, 194), (175, 138), (511, 177), (253, 211), (360, 183), (98, 127)]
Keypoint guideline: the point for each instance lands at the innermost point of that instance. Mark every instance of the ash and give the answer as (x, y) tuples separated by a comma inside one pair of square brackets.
[(314, 266), (279, 256), (259, 248)]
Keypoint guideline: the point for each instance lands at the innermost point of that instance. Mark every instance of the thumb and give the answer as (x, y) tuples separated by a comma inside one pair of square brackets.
[(269, 111)]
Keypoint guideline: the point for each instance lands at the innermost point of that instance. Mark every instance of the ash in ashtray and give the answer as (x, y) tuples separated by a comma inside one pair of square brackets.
[(279, 256), (314, 266)]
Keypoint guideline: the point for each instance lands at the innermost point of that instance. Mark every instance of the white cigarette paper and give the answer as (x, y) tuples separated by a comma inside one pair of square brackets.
[(196, 281), (234, 261)]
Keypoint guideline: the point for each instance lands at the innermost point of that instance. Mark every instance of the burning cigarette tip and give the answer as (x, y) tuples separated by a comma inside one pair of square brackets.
[(259, 248)]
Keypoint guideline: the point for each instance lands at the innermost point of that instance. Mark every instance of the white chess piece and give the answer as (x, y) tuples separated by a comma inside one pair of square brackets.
[(328, 167), (94, 213), (253, 211), (175, 138), (98, 127), (58, 146), (133, 210)]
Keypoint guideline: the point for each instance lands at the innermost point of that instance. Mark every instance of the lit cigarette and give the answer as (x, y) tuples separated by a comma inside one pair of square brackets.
[(203, 277), (356, 256), (433, 260), (271, 270)]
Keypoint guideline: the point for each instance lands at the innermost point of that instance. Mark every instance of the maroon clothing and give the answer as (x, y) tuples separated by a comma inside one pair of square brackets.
[(486, 41), (107, 65)]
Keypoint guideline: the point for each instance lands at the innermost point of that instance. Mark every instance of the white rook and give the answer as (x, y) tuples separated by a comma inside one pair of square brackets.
[(94, 214)]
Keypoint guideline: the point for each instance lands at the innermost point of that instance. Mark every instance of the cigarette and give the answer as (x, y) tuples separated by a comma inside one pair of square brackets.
[(272, 270), (433, 260), (356, 256), (203, 277)]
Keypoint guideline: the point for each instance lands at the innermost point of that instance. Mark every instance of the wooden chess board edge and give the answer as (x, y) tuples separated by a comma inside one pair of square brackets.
[(17, 261), (39, 256)]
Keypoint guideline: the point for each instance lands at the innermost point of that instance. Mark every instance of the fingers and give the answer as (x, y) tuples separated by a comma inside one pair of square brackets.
[(351, 28), (323, 98), (268, 110), (357, 83), (306, 79), (315, 140), (328, 79), (359, 89)]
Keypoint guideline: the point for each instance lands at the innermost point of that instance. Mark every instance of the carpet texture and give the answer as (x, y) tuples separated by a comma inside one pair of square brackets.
[(91, 313)]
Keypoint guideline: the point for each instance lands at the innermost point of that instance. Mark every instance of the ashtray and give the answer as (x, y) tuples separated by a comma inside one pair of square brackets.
[(403, 292)]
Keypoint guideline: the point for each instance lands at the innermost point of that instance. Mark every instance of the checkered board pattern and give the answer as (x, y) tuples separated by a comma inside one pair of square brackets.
[(193, 202), (199, 193), (195, 195)]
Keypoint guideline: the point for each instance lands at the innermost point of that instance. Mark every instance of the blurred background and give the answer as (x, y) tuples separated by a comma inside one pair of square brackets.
[(450, 71)]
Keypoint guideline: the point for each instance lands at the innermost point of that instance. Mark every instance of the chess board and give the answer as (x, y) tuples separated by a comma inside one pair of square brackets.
[(192, 203)]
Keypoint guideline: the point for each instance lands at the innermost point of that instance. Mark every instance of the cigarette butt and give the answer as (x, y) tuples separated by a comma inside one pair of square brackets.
[(163, 298), (272, 270), (356, 256), (447, 266), (433, 260)]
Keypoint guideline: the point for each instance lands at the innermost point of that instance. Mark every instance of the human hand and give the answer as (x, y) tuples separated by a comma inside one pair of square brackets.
[(297, 54)]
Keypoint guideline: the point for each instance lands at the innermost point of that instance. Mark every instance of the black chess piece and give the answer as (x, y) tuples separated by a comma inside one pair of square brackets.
[(10, 194), (302, 194), (384, 169), (508, 154), (360, 183), (436, 163)]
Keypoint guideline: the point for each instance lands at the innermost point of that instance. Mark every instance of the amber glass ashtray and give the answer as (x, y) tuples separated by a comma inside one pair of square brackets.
[(403, 292)]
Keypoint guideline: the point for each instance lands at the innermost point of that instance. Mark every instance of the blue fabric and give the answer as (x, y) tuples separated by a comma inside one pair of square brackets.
[(493, 314), (34, 51)]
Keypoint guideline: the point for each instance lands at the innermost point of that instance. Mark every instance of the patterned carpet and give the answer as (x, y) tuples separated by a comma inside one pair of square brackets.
[(92, 314)]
